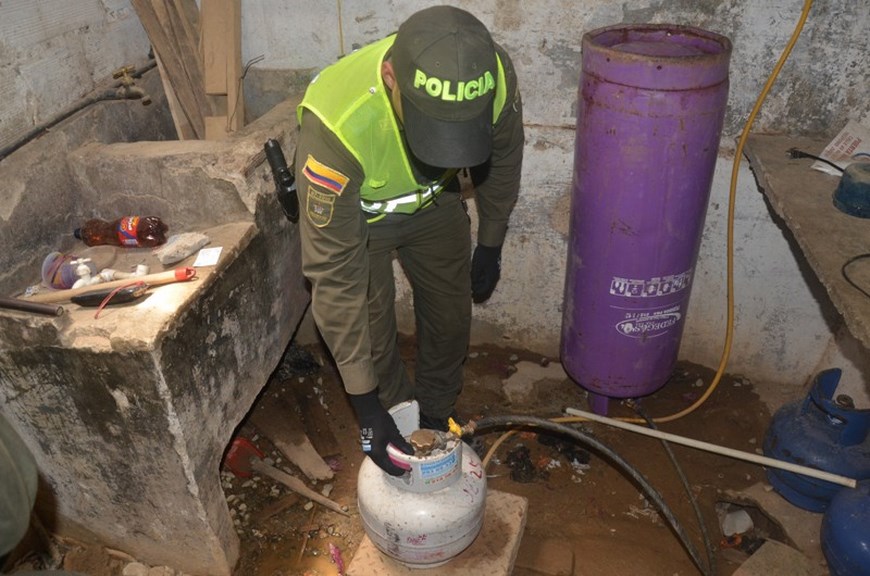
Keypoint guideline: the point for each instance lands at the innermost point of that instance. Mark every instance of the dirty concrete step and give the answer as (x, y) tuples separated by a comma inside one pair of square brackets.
[(777, 558)]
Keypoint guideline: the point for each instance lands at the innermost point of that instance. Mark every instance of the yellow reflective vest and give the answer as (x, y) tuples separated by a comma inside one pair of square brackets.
[(351, 100)]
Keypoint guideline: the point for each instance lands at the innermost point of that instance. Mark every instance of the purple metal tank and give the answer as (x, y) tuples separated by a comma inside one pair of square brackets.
[(650, 109)]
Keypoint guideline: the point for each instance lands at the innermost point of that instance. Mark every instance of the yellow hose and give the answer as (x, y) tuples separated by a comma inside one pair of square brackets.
[(738, 154)]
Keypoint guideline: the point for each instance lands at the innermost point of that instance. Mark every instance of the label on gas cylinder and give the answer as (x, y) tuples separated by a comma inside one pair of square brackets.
[(649, 316), (650, 287), (649, 323), (432, 472)]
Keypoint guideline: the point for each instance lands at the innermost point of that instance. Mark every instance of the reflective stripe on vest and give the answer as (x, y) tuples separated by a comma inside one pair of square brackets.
[(415, 200)]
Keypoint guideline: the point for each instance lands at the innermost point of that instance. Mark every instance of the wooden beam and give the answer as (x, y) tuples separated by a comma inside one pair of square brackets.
[(182, 123), (171, 26), (215, 48), (222, 65), (235, 93)]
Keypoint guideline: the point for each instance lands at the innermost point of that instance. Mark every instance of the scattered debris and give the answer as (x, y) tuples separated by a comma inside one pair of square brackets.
[(523, 470), (335, 553), (296, 361), (562, 447), (736, 521), (746, 543), (646, 511)]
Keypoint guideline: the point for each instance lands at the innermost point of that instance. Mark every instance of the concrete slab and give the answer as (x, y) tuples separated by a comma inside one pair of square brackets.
[(493, 552), (802, 527), (776, 558)]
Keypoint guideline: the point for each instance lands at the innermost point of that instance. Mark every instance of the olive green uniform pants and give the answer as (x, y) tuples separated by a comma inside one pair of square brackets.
[(434, 248)]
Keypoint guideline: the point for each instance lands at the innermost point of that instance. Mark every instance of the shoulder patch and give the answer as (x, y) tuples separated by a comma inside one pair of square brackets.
[(324, 176), (319, 206)]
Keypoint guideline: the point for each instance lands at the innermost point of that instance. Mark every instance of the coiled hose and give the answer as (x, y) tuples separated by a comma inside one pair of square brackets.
[(494, 422)]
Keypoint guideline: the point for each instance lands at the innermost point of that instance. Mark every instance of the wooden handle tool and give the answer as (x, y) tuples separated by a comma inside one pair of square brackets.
[(178, 275)]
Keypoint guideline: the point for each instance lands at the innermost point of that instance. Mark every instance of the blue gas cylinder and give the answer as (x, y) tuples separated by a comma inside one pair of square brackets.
[(818, 432), (846, 532)]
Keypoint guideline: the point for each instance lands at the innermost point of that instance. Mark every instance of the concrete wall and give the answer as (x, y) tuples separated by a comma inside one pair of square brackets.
[(53, 52), (785, 327)]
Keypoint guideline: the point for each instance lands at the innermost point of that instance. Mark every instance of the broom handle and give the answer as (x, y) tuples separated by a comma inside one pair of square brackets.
[(295, 484), (156, 279), (748, 456)]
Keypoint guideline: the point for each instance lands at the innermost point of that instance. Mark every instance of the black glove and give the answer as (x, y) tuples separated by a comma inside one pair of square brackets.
[(485, 272), (377, 429)]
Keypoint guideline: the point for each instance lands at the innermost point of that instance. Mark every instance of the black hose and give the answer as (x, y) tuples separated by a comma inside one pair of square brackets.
[(621, 463), (36, 131), (795, 153), (39, 130), (705, 535)]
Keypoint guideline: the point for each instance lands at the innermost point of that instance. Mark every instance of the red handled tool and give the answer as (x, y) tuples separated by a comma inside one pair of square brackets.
[(243, 458)]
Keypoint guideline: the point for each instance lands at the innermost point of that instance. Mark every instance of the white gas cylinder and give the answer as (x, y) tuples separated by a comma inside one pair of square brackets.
[(432, 512)]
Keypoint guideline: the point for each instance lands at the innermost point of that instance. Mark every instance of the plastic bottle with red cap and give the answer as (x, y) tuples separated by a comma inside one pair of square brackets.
[(128, 231)]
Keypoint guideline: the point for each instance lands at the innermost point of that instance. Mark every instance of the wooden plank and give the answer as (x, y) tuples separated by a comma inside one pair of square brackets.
[(215, 127), (281, 423), (216, 50), (235, 92), (183, 128), (189, 18), (222, 63), (169, 29), (316, 421), (183, 22)]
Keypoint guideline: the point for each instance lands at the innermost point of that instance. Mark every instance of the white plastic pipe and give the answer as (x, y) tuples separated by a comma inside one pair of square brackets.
[(748, 456)]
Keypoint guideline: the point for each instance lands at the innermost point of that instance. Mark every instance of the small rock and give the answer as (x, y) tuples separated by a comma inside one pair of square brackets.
[(135, 569)]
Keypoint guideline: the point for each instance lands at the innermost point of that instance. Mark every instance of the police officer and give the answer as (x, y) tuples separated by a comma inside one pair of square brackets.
[(383, 133)]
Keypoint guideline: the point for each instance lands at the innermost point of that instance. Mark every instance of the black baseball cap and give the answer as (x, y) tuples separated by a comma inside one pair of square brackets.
[(445, 65)]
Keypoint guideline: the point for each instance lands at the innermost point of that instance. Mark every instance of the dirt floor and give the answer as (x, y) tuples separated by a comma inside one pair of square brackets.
[(576, 498), (579, 502)]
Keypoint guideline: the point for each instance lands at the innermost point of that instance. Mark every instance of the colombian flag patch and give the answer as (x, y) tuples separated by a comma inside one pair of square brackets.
[(324, 176)]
